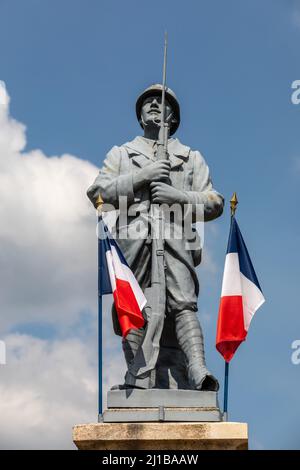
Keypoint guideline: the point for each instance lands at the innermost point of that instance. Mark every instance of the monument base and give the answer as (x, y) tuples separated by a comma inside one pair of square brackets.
[(133, 405), (161, 436)]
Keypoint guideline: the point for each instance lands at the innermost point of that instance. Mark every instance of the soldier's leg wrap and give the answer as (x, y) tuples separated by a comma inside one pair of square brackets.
[(190, 339), (131, 344)]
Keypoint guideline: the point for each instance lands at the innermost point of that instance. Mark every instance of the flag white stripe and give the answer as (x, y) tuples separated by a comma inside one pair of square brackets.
[(231, 284), (235, 283), (252, 299), (111, 270), (121, 271)]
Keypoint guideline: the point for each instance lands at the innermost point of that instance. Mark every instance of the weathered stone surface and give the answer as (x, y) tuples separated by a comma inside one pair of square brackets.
[(161, 436), (161, 414), (154, 398)]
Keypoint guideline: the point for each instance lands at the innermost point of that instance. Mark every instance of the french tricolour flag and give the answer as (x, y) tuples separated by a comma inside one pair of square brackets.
[(115, 277), (241, 295)]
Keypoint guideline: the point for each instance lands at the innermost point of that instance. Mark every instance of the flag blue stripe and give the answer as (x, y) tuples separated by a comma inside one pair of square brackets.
[(105, 242), (104, 284), (236, 244), (109, 241)]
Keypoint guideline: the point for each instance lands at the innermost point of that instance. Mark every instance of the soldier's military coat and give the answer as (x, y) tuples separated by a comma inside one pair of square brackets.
[(190, 174)]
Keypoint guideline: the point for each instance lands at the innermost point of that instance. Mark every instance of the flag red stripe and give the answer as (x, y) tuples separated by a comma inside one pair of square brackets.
[(128, 310), (230, 329)]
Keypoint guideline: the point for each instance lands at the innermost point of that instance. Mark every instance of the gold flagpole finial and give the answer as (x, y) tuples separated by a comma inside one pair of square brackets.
[(233, 204), (99, 203)]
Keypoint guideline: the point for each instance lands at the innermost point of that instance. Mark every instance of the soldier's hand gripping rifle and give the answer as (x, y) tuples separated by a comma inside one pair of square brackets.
[(146, 357)]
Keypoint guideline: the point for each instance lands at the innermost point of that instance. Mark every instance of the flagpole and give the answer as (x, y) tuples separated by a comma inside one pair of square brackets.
[(99, 347), (99, 203), (225, 406), (233, 204)]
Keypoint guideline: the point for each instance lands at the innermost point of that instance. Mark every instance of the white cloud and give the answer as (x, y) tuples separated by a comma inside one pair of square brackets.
[(48, 386), (45, 388), (48, 274), (47, 234)]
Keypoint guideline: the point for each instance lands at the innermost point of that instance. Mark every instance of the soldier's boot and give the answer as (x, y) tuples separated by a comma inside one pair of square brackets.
[(190, 339), (130, 345)]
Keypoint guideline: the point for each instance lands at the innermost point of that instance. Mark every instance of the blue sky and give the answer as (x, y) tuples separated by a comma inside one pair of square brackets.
[(74, 68)]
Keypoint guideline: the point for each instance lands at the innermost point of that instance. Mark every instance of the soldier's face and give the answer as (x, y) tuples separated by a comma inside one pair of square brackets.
[(151, 113)]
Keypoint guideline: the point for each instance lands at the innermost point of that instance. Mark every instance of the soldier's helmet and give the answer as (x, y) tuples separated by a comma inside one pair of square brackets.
[(170, 96)]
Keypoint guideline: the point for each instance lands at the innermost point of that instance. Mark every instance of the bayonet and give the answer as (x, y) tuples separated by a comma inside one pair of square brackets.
[(162, 144)]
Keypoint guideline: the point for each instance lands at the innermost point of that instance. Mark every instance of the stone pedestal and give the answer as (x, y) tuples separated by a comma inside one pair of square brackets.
[(162, 436), (133, 405)]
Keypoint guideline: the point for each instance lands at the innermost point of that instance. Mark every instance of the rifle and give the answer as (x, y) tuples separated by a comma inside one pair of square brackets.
[(147, 354)]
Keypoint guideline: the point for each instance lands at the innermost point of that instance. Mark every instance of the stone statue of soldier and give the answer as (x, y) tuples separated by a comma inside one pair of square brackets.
[(133, 171)]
